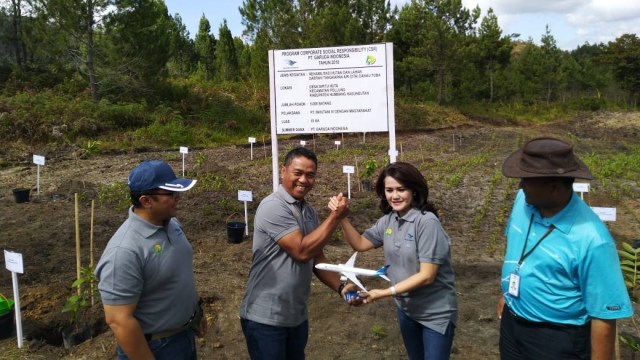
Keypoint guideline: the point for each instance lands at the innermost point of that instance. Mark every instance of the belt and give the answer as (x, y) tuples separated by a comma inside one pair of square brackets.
[(167, 333), (193, 323), (545, 324)]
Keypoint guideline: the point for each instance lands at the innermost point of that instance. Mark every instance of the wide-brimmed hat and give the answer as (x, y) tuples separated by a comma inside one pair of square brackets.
[(155, 174), (545, 157)]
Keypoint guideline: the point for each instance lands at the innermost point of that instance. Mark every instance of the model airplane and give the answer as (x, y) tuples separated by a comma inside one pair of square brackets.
[(351, 272)]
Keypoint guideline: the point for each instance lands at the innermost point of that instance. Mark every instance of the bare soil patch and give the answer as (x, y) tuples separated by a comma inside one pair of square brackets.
[(461, 165)]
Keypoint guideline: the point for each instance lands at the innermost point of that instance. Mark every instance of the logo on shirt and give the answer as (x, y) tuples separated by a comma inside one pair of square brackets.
[(409, 237), (613, 307), (388, 231), (157, 248)]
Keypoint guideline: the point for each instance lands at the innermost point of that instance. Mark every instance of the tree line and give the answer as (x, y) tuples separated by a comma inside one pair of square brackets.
[(126, 50)]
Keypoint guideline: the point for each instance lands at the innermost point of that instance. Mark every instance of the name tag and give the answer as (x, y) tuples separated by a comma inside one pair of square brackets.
[(514, 285)]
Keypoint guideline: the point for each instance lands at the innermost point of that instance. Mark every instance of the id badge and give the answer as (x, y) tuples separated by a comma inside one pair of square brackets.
[(514, 285)]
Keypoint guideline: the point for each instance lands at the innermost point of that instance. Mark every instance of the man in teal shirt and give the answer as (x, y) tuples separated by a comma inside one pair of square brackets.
[(562, 287)]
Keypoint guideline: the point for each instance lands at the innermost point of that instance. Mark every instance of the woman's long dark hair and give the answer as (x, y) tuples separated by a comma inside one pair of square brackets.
[(410, 178)]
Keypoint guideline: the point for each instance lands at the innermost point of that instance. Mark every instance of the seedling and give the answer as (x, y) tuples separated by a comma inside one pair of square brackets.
[(80, 301), (378, 331)]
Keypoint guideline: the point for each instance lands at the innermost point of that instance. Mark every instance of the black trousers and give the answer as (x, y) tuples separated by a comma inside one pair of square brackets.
[(523, 339)]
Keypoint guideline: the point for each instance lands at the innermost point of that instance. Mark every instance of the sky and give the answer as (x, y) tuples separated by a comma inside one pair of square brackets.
[(572, 22)]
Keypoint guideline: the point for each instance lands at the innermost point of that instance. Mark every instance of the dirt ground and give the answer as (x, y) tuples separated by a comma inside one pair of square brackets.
[(460, 163)]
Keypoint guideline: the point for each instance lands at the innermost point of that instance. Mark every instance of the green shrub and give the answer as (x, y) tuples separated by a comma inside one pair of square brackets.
[(123, 116), (171, 134)]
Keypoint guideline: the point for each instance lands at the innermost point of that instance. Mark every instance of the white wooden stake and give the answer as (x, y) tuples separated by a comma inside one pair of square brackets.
[(348, 170), (13, 262), (183, 150)]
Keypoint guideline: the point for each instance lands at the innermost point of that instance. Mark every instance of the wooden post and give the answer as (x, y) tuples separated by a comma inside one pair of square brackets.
[(91, 250), (264, 147), (355, 159), (77, 240)]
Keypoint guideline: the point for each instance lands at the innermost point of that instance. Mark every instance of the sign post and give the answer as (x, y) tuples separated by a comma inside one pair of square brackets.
[(331, 90), (252, 141), (39, 161), (245, 196), (183, 150), (348, 169), (14, 264), (581, 188), (605, 214), (338, 144)]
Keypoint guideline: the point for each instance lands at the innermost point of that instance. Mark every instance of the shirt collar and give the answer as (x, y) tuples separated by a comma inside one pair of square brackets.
[(562, 220), (410, 216), (288, 198), (145, 228)]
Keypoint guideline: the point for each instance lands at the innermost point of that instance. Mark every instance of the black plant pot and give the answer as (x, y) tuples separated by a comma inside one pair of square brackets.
[(73, 337), (6, 324), (366, 185), (21, 195)]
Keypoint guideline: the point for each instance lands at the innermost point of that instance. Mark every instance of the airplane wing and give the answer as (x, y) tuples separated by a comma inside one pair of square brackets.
[(354, 279), (352, 260)]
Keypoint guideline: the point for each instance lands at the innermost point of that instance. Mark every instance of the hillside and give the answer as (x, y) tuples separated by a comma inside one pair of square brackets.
[(461, 164)]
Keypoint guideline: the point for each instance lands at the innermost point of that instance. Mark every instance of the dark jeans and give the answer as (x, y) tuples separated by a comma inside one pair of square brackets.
[(422, 342), (181, 346), (266, 342), (522, 339)]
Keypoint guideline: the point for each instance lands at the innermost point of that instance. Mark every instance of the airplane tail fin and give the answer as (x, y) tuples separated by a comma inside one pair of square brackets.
[(382, 272)]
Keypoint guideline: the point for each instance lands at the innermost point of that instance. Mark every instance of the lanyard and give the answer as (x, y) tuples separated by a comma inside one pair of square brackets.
[(524, 255)]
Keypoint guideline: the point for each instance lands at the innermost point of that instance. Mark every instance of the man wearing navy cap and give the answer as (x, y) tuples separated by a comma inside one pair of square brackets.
[(146, 275)]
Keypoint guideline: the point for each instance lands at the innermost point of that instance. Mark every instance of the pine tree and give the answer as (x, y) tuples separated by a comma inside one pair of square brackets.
[(226, 57), (495, 50), (205, 45)]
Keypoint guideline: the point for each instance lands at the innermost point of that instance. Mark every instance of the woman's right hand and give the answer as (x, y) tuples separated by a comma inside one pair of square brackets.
[(333, 203)]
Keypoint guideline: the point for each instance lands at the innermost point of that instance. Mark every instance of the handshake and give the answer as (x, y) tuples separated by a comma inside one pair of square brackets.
[(339, 204)]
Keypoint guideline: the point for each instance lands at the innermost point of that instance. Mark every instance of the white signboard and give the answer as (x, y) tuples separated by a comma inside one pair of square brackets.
[(580, 187), (605, 214), (331, 90), (338, 142), (303, 143), (252, 140), (184, 150), (245, 195), (348, 169), (38, 159), (13, 262)]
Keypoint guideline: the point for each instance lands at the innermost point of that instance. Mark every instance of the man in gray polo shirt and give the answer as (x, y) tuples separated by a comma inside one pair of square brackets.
[(288, 240), (146, 275)]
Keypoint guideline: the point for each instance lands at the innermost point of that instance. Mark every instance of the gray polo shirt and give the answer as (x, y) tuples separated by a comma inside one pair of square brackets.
[(278, 286), (408, 241), (152, 266)]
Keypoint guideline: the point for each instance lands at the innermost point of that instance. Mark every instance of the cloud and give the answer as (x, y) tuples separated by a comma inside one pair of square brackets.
[(572, 22), (521, 7), (605, 12), (605, 20)]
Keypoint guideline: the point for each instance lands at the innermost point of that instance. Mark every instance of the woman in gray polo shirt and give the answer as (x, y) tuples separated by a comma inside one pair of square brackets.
[(419, 254)]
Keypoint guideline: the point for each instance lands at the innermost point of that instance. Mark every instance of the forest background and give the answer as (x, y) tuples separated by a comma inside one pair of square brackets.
[(101, 75)]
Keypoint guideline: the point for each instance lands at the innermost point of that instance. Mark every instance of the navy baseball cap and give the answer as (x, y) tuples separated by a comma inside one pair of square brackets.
[(157, 174)]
